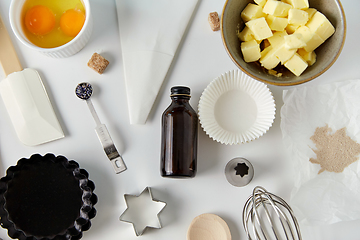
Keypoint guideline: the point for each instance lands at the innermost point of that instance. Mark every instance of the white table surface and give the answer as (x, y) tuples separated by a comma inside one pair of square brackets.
[(201, 58)]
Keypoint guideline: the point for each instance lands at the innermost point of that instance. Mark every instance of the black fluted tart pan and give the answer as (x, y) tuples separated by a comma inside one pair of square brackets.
[(46, 197)]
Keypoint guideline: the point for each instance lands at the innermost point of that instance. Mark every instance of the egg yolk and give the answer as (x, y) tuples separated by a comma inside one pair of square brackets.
[(72, 21), (39, 20)]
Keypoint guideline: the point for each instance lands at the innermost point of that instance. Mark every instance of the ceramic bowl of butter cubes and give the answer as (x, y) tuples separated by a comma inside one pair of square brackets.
[(285, 42)]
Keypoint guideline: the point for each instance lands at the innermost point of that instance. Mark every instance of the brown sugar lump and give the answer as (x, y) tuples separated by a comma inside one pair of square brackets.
[(98, 63), (214, 21)]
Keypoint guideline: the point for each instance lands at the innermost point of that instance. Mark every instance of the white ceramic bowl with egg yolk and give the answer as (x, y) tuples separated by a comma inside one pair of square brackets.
[(66, 50)]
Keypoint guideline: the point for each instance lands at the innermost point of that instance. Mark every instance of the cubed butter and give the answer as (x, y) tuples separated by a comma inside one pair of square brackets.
[(250, 51), (245, 35), (261, 3), (294, 41), (291, 28), (276, 23), (313, 43), (296, 64), (276, 8), (252, 11), (311, 12), (277, 38), (309, 57), (320, 25), (259, 28), (288, 31), (266, 50), (269, 60), (284, 54), (305, 32), (298, 17), (299, 4)]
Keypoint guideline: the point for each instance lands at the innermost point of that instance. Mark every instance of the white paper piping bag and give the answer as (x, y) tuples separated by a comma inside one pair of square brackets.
[(150, 33)]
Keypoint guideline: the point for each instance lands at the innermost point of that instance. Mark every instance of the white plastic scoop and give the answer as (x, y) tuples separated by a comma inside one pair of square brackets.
[(25, 98)]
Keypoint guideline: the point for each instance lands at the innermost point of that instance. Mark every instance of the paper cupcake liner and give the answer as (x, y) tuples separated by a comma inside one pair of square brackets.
[(235, 108), (76, 180)]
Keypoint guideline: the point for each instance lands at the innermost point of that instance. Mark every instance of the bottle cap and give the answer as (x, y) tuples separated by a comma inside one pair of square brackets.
[(180, 90)]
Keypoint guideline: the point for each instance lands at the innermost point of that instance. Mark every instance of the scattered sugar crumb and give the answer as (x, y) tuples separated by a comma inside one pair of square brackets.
[(214, 21)]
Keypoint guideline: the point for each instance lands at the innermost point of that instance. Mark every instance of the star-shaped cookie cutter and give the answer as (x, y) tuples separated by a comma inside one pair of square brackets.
[(137, 210)]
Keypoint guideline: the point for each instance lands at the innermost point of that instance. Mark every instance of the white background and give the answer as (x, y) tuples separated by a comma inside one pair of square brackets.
[(200, 59)]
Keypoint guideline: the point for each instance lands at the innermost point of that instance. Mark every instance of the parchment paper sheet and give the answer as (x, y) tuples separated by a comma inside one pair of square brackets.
[(328, 197)]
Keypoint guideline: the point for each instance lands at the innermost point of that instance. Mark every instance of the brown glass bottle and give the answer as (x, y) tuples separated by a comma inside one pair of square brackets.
[(179, 136)]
